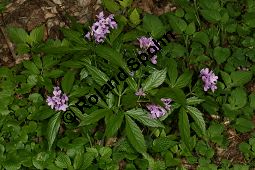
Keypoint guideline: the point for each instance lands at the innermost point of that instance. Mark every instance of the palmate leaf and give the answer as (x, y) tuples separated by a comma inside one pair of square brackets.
[(184, 127), (53, 127), (144, 118), (198, 118), (135, 135), (154, 80)]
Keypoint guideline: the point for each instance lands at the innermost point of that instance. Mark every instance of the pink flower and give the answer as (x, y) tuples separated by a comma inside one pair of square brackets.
[(101, 27), (209, 79), (156, 111), (166, 102), (146, 43), (58, 101), (140, 92)]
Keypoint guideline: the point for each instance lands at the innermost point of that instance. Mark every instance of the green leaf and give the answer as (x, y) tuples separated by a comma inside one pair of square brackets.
[(240, 78), (144, 118), (31, 67), (17, 35), (63, 161), (221, 54), (226, 78), (252, 100), (244, 125), (78, 160), (198, 118), (135, 135), (201, 37), (178, 24), (163, 144), (191, 29), (238, 98), (172, 71), (184, 127), (36, 35), (67, 82), (134, 17), (211, 15), (154, 80), (113, 124), (153, 24), (53, 127), (125, 3), (98, 76), (94, 117), (111, 55), (111, 5), (183, 80), (88, 158), (194, 100)]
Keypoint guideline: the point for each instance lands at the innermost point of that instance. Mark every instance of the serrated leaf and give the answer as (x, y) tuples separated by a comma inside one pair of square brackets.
[(172, 71), (162, 144), (63, 161), (125, 3), (198, 118), (153, 24), (31, 67), (135, 135), (98, 76), (17, 35), (36, 35), (154, 80), (78, 160), (184, 127), (111, 5), (144, 118), (178, 24), (183, 80), (94, 117), (67, 82), (134, 17), (111, 55), (194, 100), (88, 158), (113, 124), (53, 126)]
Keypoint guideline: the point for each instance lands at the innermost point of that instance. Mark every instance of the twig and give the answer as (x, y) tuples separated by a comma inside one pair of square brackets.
[(9, 44)]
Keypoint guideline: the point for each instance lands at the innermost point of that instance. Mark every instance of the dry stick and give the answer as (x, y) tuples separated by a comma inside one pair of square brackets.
[(9, 44)]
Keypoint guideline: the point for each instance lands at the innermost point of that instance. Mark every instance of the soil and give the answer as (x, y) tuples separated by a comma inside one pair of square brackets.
[(28, 14)]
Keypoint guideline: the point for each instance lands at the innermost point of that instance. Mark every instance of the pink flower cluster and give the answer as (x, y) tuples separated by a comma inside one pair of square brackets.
[(101, 27), (157, 111), (209, 79), (58, 101), (145, 43)]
